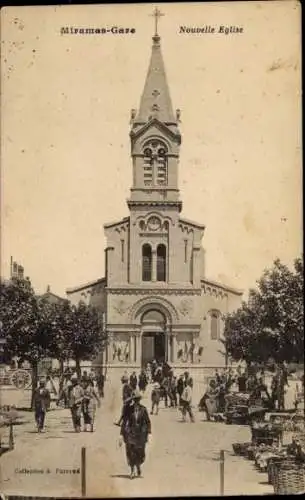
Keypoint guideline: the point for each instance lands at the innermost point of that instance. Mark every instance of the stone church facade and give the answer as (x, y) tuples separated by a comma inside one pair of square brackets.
[(155, 299)]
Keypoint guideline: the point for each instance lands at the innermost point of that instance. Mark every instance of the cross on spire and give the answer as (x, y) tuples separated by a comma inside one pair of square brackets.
[(156, 14)]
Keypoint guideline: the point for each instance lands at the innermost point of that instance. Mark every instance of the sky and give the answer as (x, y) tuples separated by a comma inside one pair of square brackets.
[(65, 149)]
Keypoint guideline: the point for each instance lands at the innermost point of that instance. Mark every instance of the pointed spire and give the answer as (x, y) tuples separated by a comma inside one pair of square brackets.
[(155, 101)]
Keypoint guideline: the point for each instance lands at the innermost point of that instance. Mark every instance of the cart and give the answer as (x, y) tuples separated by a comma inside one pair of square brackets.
[(237, 408)]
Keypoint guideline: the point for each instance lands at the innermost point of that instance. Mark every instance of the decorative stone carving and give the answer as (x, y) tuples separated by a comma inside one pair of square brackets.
[(158, 204), (120, 306), (185, 350), (152, 224), (153, 302), (185, 307), (185, 228), (120, 351), (155, 93), (155, 107), (198, 351), (214, 291), (122, 228)]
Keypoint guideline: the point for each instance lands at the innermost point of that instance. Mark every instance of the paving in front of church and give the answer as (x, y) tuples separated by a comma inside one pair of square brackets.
[(182, 459)]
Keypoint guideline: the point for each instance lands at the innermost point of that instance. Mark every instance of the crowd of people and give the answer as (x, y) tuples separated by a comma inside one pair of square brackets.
[(134, 421), (166, 386), (243, 381), (80, 394)]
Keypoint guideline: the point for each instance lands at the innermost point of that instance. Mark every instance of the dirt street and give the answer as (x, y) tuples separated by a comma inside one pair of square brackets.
[(183, 458)]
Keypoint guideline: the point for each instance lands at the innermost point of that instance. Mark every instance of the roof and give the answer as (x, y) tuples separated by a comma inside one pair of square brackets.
[(117, 223), (155, 101), (52, 297), (192, 223), (85, 285), (235, 291)]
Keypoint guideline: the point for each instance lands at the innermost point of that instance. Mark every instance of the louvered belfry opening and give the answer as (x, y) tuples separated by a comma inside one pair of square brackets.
[(148, 167), (146, 262), (162, 167)]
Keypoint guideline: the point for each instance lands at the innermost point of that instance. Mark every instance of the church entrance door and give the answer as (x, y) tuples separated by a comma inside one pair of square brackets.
[(153, 337), (153, 347)]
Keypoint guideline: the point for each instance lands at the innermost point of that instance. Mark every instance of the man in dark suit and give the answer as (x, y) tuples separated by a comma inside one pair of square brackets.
[(42, 400), (135, 431)]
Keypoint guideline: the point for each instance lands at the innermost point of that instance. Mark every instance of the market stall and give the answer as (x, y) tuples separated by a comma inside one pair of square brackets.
[(284, 464), (237, 408)]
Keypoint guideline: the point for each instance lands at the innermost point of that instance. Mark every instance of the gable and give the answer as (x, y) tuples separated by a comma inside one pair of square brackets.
[(156, 127)]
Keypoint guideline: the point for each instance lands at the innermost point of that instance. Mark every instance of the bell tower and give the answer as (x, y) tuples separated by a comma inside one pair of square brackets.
[(155, 138)]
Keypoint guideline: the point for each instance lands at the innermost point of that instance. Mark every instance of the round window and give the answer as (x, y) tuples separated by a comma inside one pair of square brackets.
[(154, 223)]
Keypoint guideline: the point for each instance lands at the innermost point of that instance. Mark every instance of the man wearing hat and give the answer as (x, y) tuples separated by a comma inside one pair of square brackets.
[(126, 397), (135, 431), (155, 398), (42, 400), (76, 395), (186, 401)]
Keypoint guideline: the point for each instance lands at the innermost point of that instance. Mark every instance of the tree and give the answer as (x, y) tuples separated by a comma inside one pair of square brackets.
[(271, 323), (78, 332), (34, 328), (25, 325)]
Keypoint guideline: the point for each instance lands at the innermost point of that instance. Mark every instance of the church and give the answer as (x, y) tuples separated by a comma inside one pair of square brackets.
[(155, 300)]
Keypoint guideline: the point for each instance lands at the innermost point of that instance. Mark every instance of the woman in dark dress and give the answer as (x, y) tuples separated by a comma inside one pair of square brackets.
[(133, 381), (180, 387), (142, 381), (241, 380), (135, 430)]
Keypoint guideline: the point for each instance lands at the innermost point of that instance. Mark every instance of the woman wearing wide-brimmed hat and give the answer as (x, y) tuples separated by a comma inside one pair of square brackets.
[(135, 431)]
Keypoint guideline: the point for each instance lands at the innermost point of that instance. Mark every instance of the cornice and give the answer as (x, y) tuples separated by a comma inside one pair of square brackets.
[(161, 204), (153, 291), (123, 328)]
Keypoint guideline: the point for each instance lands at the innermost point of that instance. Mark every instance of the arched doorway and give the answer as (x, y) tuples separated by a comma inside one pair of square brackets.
[(154, 344)]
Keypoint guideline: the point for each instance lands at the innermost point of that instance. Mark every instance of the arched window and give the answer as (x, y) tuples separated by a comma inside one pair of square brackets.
[(162, 167), (155, 163), (215, 325), (146, 262), (161, 263), (148, 167)]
